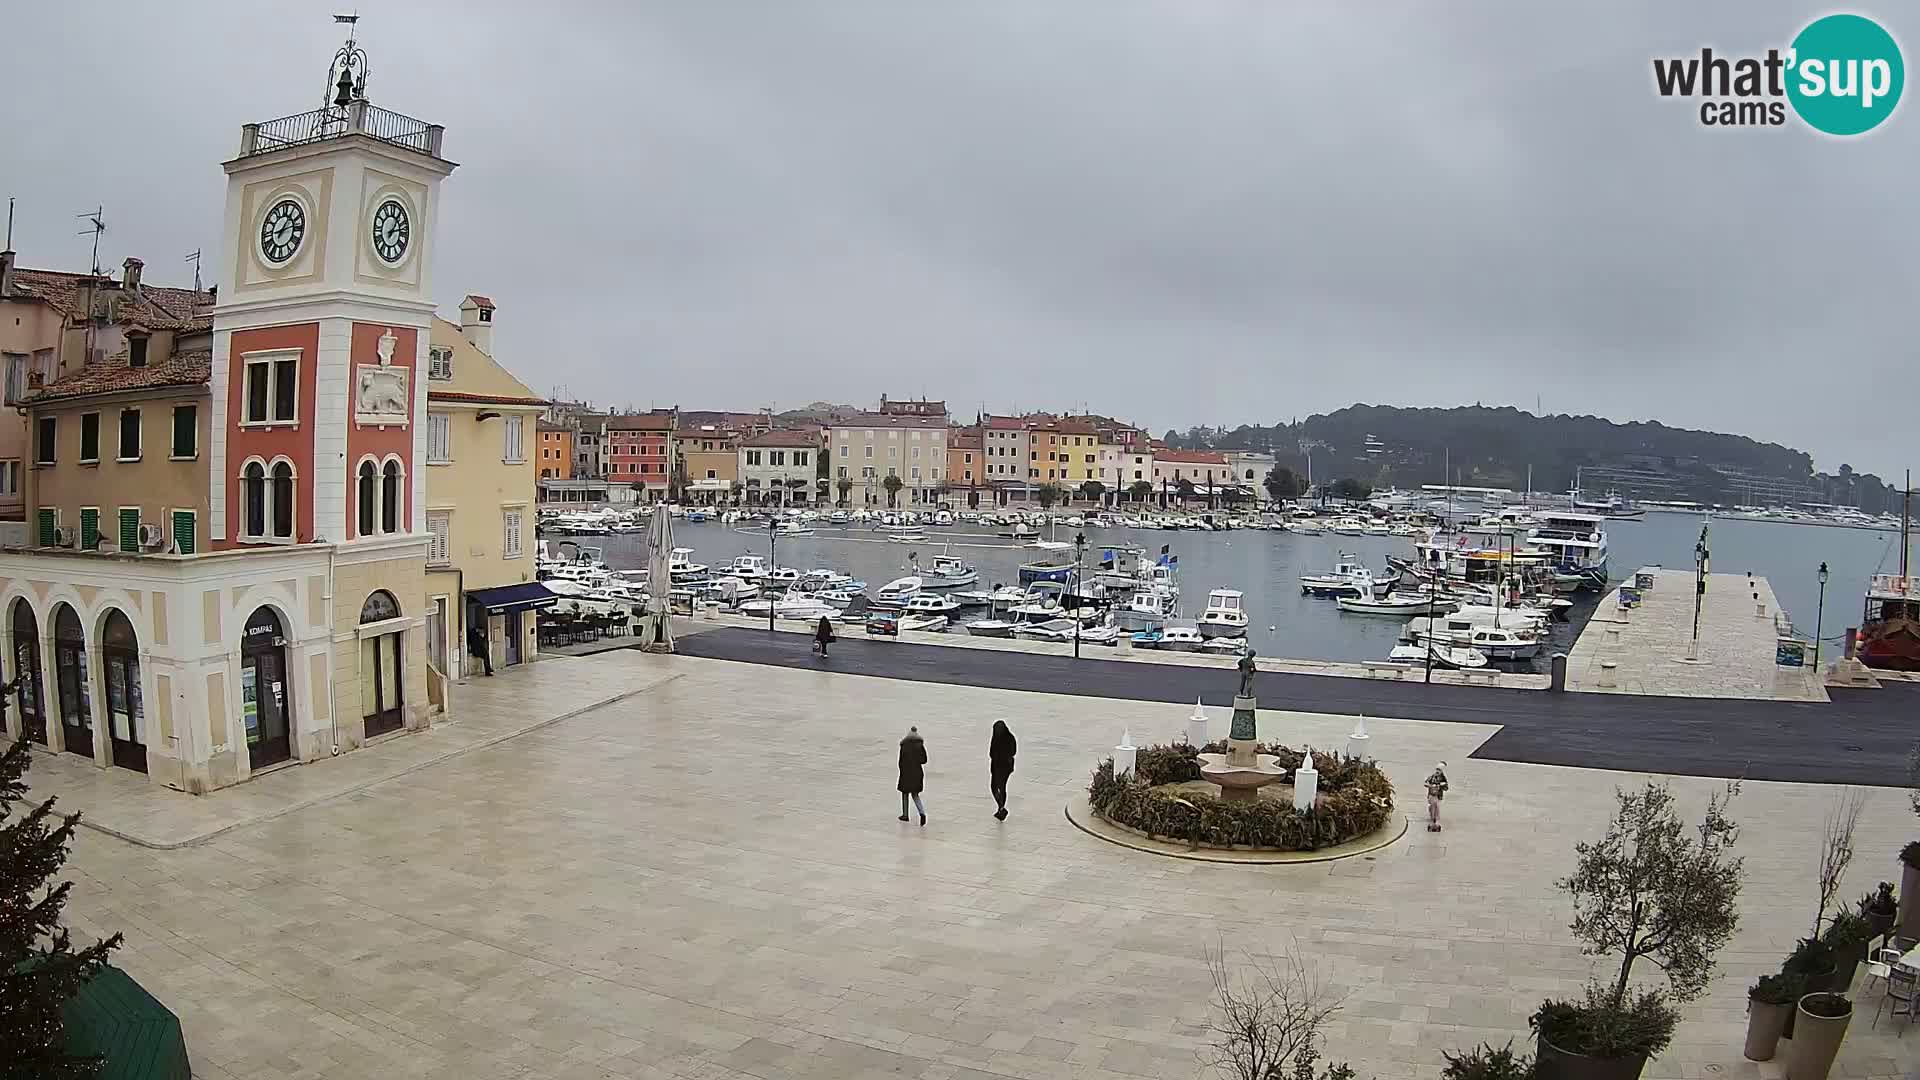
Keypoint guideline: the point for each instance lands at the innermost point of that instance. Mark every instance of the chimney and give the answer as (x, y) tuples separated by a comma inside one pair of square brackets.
[(130, 280), (6, 272), (476, 322)]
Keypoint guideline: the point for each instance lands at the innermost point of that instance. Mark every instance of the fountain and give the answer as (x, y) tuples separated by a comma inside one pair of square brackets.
[(1240, 772)]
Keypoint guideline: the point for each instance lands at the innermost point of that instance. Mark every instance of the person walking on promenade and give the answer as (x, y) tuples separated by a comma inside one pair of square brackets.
[(1436, 790), (1000, 763), (913, 761), (822, 637)]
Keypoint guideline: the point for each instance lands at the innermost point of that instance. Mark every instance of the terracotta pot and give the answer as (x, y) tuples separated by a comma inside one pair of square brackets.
[(1765, 1024), (1553, 1063), (1815, 1043), (1909, 926)]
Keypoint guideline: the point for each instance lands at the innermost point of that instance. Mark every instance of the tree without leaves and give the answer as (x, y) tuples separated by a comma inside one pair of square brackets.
[(1836, 848), (1266, 1019), (32, 995), (1649, 890)]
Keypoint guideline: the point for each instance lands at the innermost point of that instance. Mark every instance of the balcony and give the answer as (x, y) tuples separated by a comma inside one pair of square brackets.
[(358, 118)]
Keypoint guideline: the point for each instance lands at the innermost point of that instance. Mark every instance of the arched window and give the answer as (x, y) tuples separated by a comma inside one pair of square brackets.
[(390, 497), (70, 670), (283, 500), (253, 495), (369, 479), (380, 606)]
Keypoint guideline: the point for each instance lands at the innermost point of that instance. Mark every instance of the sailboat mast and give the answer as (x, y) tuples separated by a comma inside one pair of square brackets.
[(1906, 522)]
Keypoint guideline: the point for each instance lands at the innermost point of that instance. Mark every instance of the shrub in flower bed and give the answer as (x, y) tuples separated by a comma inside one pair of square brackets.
[(1355, 798)]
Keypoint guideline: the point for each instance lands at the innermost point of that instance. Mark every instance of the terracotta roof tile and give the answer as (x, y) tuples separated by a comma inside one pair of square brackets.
[(783, 437), (641, 422), (483, 399), (154, 307), (966, 438), (183, 369), (482, 301)]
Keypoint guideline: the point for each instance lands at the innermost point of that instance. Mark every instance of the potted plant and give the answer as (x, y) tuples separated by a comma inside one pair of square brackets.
[(1814, 962), (1770, 1004), (1650, 887), (1880, 910), (1848, 935), (1822, 1023), (1910, 890)]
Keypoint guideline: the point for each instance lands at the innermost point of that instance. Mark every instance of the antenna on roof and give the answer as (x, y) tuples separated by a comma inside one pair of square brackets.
[(9, 246), (96, 224), (194, 258)]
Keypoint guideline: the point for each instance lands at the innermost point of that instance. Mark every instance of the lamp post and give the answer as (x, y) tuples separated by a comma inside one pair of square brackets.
[(1819, 620), (1079, 549), (773, 525), (1699, 590)]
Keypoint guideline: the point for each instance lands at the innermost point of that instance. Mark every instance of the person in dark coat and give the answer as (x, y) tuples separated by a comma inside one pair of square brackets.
[(913, 761), (1000, 765), (477, 645), (822, 636)]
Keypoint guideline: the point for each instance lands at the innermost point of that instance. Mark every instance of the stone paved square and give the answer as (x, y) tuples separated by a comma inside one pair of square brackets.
[(706, 880)]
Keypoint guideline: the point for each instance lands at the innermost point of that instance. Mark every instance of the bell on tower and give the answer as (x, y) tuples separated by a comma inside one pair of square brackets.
[(347, 76)]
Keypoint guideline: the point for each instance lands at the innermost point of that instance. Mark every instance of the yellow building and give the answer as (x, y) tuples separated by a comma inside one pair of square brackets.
[(711, 458), (480, 468)]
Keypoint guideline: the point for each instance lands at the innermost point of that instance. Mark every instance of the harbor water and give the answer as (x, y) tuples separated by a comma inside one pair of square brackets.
[(1267, 566)]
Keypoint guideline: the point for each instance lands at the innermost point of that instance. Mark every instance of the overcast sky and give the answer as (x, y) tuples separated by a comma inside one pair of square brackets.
[(1178, 212)]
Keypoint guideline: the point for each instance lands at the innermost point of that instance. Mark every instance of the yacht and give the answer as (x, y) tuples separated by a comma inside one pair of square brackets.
[(1225, 614), (1495, 642)]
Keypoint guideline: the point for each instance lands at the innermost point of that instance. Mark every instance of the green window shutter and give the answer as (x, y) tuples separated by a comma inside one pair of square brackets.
[(130, 530), (89, 528), (183, 531), (49, 520)]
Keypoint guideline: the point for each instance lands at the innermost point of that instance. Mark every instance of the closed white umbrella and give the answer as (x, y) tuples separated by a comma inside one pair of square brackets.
[(658, 636)]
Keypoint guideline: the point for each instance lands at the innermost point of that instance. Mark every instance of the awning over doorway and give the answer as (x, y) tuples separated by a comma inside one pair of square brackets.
[(527, 594)]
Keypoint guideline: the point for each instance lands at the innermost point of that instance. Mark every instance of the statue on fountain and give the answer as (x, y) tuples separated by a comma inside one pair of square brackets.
[(1241, 771), (1246, 674)]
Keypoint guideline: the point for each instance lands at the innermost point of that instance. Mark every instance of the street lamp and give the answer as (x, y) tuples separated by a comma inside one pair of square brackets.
[(1699, 590), (1079, 548), (773, 525), (1819, 620)]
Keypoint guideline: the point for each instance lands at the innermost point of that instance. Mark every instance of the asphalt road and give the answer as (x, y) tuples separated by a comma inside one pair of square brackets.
[(1861, 737)]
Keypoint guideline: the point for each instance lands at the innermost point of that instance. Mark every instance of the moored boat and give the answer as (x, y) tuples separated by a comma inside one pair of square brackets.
[(1225, 615)]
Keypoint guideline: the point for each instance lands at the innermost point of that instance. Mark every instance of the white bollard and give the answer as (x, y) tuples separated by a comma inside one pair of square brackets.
[(1197, 726), (1123, 754), (1357, 740), (1306, 781)]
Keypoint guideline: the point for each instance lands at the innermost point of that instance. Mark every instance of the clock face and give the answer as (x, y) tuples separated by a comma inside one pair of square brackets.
[(282, 230), (391, 231)]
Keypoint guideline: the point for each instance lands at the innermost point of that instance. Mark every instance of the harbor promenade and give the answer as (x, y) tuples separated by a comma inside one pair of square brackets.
[(705, 880), (1645, 650)]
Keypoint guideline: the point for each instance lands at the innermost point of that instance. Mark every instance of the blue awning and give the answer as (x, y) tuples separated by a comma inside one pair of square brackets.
[(527, 594)]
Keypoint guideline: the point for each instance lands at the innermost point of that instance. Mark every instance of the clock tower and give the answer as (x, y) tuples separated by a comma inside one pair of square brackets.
[(318, 430)]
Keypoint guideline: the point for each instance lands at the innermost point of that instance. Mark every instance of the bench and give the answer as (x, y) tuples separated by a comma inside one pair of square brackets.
[(1382, 667)]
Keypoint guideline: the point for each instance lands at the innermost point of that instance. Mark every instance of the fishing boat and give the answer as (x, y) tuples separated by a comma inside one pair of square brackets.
[(1054, 565), (1347, 579), (897, 592), (1170, 639), (1225, 615), (1004, 597), (1890, 627), (924, 623), (1449, 657), (1147, 609), (748, 567), (947, 572), (1395, 604), (681, 567)]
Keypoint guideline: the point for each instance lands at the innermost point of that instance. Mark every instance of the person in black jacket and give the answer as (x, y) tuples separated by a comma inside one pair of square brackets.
[(477, 644), (1000, 764), (913, 760), (822, 637)]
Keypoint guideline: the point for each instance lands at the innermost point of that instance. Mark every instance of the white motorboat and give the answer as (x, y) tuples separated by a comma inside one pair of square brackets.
[(804, 608), (1395, 604), (972, 598), (728, 589), (1349, 526), (917, 536), (1046, 630), (901, 526), (943, 518), (1347, 579), (781, 577), (1006, 596), (1100, 635), (748, 567), (1170, 638), (1228, 646), (681, 567), (897, 592), (1305, 528), (832, 579), (1000, 628), (930, 604), (1225, 615), (793, 528), (926, 623), (1495, 642), (1021, 532), (1450, 657)]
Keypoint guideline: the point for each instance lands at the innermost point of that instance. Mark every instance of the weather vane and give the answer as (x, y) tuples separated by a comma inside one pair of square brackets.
[(347, 75)]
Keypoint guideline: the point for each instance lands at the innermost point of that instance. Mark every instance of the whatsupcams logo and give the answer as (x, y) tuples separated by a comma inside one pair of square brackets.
[(1842, 75)]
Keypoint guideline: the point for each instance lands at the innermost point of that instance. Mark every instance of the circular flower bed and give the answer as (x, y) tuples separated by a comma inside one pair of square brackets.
[(1355, 798)]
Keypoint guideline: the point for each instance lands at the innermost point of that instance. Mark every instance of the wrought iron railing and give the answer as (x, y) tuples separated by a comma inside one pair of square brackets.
[(359, 118)]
